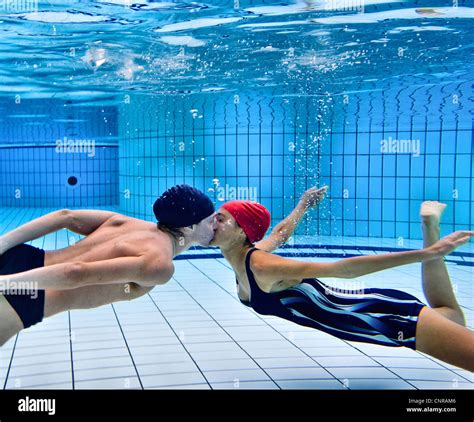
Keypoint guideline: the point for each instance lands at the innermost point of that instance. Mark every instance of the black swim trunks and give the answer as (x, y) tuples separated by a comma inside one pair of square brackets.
[(28, 304)]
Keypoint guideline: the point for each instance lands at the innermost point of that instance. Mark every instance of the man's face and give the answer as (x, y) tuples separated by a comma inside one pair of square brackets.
[(204, 231), (226, 227)]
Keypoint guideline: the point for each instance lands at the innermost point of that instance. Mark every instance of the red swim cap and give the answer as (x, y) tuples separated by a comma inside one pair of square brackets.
[(253, 217)]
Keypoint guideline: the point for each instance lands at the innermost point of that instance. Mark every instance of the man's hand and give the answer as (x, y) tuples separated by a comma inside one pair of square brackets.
[(313, 196)]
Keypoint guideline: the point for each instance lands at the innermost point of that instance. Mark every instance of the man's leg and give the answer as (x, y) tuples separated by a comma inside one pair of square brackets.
[(436, 283), (18, 308), (10, 322), (57, 301)]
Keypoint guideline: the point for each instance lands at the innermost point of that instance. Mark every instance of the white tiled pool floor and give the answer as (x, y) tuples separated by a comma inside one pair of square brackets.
[(194, 333)]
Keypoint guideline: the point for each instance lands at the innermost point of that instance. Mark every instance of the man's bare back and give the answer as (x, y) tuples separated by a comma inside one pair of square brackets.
[(117, 250), (119, 236)]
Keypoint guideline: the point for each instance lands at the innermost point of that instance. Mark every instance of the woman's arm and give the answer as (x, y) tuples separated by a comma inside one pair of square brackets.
[(285, 229), (271, 269)]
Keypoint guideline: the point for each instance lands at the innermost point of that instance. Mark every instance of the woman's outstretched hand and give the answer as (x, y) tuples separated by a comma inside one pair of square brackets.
[(313, 196), (449, 243)]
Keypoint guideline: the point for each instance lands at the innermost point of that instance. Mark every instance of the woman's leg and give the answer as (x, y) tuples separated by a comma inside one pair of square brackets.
[(441, 331), (444, 339), (379, 316), (436, 283)]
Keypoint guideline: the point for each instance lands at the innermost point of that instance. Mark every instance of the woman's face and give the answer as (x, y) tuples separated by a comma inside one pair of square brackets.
[(226, 228)]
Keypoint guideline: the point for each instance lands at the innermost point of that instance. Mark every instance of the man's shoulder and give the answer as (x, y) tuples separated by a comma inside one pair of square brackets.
[(156, 251), (159, 266), (118, 219)]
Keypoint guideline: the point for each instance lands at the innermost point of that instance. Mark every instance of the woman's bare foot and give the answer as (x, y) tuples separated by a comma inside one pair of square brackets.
[(430, 213)]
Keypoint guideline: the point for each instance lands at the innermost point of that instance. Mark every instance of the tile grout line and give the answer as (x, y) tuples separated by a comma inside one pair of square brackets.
[(422, 356), (383, 366), (70, 334), (126, 344), (179, 339), (441, 363), (270, 327), (11, 361), (223, 329), (71, 350)]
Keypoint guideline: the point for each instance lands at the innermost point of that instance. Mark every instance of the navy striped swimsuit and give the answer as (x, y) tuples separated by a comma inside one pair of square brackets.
[(379, 316)]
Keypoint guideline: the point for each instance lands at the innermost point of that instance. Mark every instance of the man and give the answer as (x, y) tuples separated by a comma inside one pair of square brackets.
[(120, 258)]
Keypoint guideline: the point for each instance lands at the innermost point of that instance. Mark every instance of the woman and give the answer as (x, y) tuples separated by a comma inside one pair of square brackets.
[(290, 289)]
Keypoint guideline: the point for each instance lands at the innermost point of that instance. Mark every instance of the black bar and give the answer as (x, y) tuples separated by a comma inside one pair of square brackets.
[(318, 405)]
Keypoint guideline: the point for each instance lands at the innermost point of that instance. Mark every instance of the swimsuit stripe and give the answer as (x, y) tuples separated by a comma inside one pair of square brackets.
[(348, 322)]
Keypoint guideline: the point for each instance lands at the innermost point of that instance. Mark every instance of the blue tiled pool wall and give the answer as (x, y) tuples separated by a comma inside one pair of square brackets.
[(278, 147), (258, 146), (36, 171), (233, 139), (377, 192)]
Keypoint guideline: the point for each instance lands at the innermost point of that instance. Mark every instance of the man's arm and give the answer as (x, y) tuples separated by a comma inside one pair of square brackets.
[(285, 229), (86, 221), (142, 270), (79, 221), (38, 227)]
